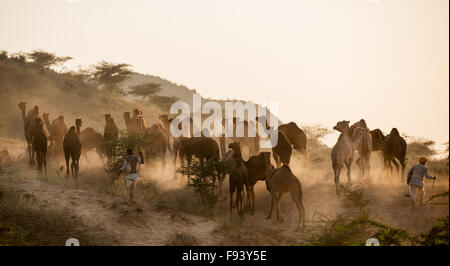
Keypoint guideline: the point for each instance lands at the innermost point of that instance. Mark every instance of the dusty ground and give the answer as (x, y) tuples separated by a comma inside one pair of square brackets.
[(168, 213)]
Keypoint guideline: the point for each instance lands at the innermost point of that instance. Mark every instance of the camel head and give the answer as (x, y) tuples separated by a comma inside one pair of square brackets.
[(126, 116), (363, 123), (357, 135), (136, 113), (36, 109), (342, 126), (394, 132), (235, 146), (78, 122), (164, 118), (45, 116), (22, 106)]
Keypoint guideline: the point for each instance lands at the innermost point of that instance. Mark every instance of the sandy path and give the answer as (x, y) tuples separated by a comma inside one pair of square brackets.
[(131, 224)]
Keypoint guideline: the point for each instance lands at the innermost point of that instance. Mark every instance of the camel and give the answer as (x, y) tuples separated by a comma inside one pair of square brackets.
[(377, 139), (72, 148), (135, 124), (166, 127), (280, 181), (110, 136), (283, 150), (92, 140), (394, 148), (158, 143), (256, 168), (364, 147), (342, 153), (296, 136), (293, 135), (203, 148), (39, 144), (57, 130), (238, 178), (29, 122)]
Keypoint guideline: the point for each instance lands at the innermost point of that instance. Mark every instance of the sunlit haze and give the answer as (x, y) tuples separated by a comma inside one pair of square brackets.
[(322, 61)]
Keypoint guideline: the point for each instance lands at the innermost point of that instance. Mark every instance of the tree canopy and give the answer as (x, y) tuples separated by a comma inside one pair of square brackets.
[(45, 59), (145, 90), (110, 75)]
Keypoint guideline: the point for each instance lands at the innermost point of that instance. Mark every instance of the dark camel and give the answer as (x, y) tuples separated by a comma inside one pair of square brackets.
[(283, 150), (39, 141), (72, 148), (158, 144), (394, 148), (92, 140), (238, 178), (110, 136), (296, 136), (256, 168), (29, 122)]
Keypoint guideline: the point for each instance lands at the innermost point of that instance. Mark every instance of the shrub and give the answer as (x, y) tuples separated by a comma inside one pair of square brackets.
[(202, 177)]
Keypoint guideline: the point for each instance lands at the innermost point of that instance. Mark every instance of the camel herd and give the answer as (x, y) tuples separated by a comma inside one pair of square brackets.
[(355, 140)]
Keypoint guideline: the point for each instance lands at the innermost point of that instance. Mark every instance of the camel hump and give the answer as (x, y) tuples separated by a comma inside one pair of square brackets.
[(394, 132)]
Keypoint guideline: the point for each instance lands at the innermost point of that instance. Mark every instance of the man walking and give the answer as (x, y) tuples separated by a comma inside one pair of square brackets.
[(415, 181), (130, 166)]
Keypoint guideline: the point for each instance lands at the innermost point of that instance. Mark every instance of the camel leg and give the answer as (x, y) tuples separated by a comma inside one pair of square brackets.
[(402, 162), (67, 166), (397, 166), (271, 206), (248, 202), (278, 203), (301, 210), (337, 173), (252, 190), (349, 172), (231, 189), (368, 164), (45, 164)]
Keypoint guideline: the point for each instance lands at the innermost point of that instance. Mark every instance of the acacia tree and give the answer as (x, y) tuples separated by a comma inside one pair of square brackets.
[(110, 75), (45, 59), (163, 102), (144, 90)]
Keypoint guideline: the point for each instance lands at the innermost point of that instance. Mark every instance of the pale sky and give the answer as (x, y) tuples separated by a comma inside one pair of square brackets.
[(322, 60)]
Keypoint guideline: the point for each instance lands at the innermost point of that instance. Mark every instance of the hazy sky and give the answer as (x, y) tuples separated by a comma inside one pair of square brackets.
[(322, 61)]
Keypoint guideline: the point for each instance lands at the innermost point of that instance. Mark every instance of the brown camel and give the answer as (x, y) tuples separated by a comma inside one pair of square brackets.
[(342, 153), (57, 130), (238, 178), (377, 139), (296, 136), (92, 140), (135, 123), (283, 150), (158, 144), (39, 141), (256, 168), (110, 136), (203, 148), (363, 146), (394, 148), (29, 122), (280, 181), (72, 148)]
